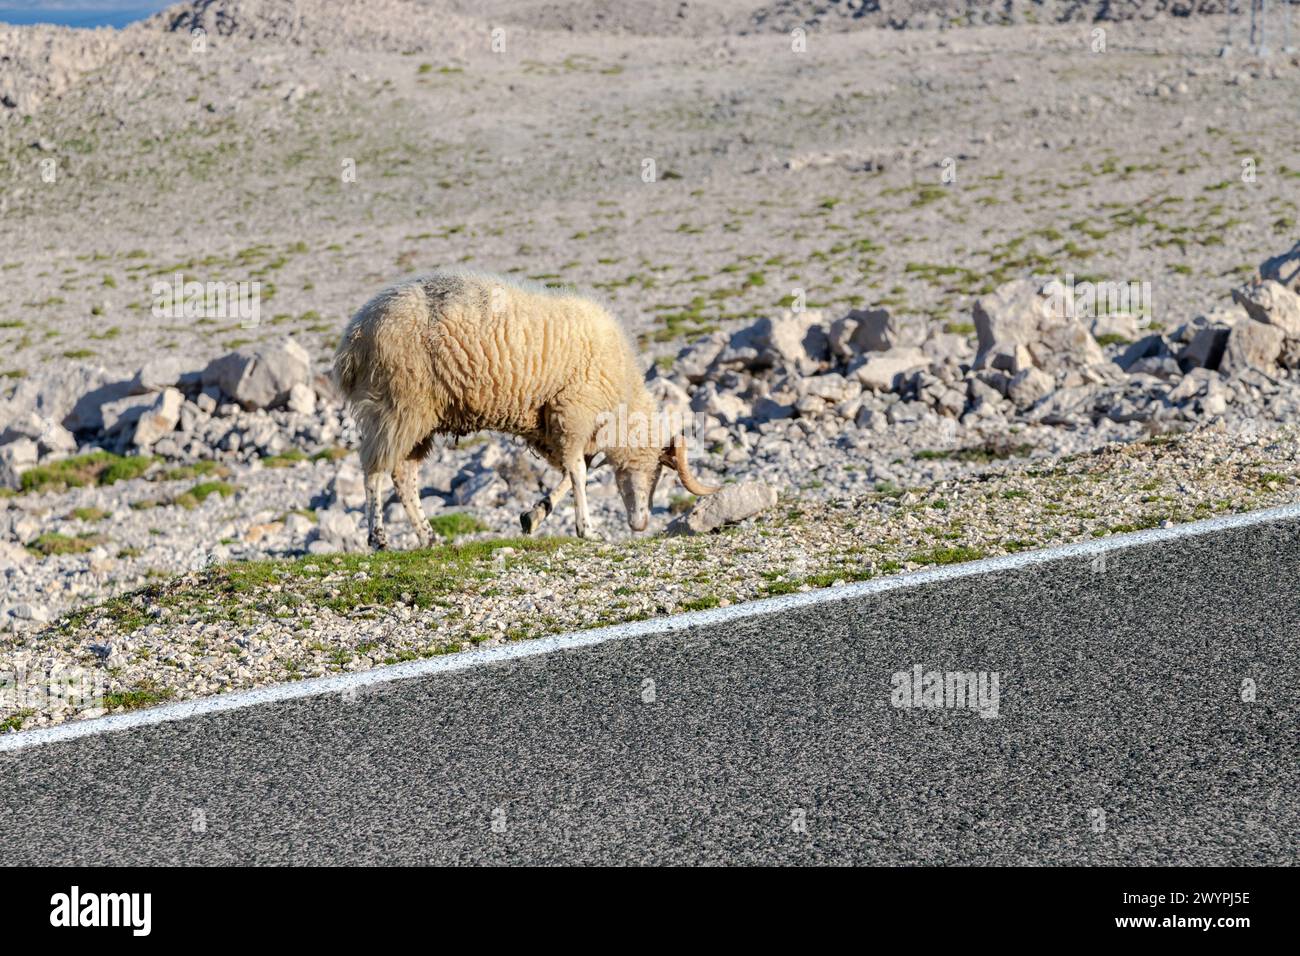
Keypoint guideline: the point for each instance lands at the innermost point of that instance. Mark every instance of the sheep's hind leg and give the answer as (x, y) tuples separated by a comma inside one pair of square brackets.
[(405, 477), (376, 536)]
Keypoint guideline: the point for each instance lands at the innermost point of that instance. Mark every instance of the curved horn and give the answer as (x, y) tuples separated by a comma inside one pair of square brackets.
[(689, 481)]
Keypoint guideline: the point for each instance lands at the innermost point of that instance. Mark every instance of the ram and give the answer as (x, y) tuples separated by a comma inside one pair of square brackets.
[(458, 353)]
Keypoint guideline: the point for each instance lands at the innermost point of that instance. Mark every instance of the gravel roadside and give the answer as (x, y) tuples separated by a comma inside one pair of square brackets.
[(250, 624)]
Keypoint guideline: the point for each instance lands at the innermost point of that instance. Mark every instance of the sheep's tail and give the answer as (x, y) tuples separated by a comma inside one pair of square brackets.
[(346, 370), (388, 394)]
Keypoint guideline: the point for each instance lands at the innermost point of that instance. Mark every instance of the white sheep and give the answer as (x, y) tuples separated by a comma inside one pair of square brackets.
[(457, 353)]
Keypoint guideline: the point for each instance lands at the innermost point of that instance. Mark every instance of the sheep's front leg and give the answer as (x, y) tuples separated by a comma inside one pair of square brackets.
[(405, 480), (578, 475), (376, 536), (530, 521)]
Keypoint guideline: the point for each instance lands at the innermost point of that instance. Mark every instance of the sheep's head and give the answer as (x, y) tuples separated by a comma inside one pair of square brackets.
[(637, 475), (637, 481)]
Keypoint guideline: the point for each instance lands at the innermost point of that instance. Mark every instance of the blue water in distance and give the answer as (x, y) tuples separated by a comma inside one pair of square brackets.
[(104, 16)]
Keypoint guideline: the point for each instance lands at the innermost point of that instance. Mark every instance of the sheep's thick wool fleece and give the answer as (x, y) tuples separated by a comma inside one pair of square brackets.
[(457, 353)]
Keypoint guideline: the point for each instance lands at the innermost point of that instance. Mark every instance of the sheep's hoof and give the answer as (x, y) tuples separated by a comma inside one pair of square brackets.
[(378, 542), (528, 522), (594, 536)]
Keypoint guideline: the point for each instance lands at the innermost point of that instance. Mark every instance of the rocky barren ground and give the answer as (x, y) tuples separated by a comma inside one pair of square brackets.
[(848, 262)]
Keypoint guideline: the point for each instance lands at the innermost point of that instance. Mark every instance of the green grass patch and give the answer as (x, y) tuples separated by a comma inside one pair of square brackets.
[(15, 721), (777, 588), (1142, 524), (202, 492), (246, 591), (680, 504), (285, 459), (980, 454), (144, 694), (927, 194), (954, 555), (199, 469), (455, 524), (888, 489), (96, 468), (330, 454), (52, 543)]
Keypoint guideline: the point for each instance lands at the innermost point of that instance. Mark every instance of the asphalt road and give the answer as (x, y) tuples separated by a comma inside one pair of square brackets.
[(1121, 736)]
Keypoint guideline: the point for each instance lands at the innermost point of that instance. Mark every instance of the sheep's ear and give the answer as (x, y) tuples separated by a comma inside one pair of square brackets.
[(668, 456)]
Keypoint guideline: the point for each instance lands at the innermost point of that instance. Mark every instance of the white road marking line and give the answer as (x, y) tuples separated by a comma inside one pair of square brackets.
[(663, 625)]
